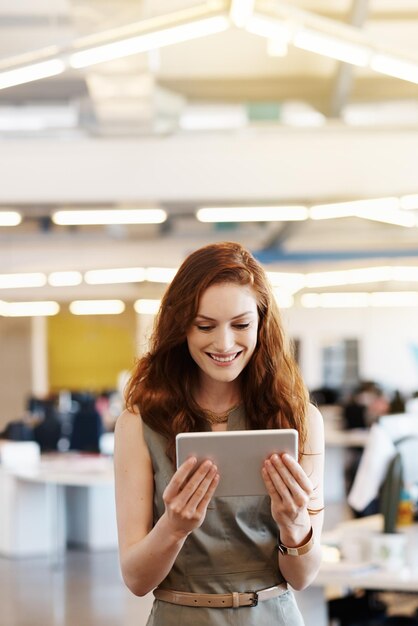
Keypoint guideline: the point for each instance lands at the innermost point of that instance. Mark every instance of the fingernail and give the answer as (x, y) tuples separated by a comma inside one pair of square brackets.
[(276, 457)]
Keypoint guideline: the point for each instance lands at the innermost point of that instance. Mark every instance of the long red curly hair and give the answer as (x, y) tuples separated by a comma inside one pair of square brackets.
[(162, 384)]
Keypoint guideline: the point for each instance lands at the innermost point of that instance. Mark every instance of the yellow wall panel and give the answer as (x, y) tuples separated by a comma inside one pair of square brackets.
[(88, 352)]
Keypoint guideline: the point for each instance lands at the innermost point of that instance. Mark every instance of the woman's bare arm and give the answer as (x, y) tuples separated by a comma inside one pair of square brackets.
[(147, 553), (294, 488)]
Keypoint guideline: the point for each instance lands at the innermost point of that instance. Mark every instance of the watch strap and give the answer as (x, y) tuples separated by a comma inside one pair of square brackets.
[(299, 551)]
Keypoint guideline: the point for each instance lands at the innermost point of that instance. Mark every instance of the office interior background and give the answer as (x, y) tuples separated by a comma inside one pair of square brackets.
[(291, 127)]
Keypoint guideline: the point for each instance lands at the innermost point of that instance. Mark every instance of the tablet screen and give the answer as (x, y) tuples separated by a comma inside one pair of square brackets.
[(238, 454)]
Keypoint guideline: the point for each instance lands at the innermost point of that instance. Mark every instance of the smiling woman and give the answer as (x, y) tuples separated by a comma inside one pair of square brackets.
[(218, 360), (224, 334)]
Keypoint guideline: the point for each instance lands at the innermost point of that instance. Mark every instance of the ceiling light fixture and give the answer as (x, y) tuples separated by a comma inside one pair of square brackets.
[(10, 218), (291, 281), (29, 309), (268, 28), (360, 299), (387, 216), (377, 209), (348, 277), (409, 202), (29, 73), (97, 307), (160, 274), (65, 279), (241, 11), (147, 306), (335, 300), (330, 211), (395, 66), (253, 214), (18, 281), (149, 41), (333, 47), (89, 217), (394, 298)]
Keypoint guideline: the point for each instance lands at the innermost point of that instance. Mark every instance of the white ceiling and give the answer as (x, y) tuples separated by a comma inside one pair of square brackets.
[(114, 138)]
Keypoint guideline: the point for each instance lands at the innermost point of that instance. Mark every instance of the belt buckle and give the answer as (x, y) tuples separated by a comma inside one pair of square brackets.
[(255, 598)]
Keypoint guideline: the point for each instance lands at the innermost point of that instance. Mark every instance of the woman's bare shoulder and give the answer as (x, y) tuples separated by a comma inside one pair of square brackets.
[(129, 429), (315, 428)]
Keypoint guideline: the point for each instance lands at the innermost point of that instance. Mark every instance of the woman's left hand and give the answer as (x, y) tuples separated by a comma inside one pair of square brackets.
[(290, 491)]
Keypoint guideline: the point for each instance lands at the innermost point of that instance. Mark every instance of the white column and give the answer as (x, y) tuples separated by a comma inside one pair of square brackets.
[(39, 357)]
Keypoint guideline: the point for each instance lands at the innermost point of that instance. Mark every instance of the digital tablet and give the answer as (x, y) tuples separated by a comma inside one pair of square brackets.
[(238, 455)]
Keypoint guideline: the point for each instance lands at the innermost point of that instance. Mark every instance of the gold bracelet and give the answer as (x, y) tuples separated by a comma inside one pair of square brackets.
[(301, 549)]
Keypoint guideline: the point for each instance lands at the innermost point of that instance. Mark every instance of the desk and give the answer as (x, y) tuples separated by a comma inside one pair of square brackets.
[(336, 575), (66, 498)]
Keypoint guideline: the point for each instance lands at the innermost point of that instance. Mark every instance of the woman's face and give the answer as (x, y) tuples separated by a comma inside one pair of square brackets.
[(223, 336)]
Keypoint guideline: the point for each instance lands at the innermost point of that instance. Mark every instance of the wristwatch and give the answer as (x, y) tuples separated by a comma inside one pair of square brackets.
[(301, 549)]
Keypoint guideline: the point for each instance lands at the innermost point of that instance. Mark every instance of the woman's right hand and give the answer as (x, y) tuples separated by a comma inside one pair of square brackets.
[(187, 495)]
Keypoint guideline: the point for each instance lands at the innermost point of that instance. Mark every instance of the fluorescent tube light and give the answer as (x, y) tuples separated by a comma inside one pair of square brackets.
[(326, 45), (29, 309), (394, 298), (118, 275), (292, 282), (409, 202), (17, 281), (149, 41), (109, 216), (393, 66), (241, 11), (360, 299), (160, 274), (97, 307), (65, 279), (348, 277), (29, 73), (147, 307), (10, 218), (268, 28), (352, 208), (335, 300), (404, 273), (253, 214), (397, 217), (331, 211), (362, 275)]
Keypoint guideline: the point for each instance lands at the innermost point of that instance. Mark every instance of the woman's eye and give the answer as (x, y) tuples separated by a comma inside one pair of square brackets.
[(204, 328), (241, 326)]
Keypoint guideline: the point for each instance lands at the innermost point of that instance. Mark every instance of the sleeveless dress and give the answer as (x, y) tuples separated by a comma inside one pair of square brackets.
[(235, 549)]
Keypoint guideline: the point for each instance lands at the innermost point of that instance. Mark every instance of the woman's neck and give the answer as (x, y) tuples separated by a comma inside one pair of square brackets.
[(218, 396)]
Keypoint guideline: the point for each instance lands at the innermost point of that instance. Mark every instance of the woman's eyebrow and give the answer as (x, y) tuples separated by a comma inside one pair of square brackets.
[(211, 319)]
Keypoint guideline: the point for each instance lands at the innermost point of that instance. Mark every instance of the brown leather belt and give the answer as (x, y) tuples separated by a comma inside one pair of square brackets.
[(233, 600)]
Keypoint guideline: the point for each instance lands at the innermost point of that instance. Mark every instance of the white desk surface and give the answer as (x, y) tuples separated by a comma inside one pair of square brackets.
[(363, 577), (68, 469)]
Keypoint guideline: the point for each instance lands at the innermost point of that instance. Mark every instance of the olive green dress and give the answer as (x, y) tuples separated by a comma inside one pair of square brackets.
[(235, 549)]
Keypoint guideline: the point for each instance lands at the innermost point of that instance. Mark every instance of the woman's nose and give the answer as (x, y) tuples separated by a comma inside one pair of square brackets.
[(224, 339)]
